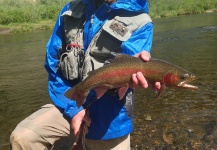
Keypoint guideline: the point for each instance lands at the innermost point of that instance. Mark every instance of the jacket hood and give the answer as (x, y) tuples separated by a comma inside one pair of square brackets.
[(130, 5)]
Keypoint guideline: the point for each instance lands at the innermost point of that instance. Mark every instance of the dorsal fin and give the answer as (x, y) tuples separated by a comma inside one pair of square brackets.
[(120, 57), (117, 58)]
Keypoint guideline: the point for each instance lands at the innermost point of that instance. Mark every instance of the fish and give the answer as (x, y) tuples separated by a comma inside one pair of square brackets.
[(118, 75)]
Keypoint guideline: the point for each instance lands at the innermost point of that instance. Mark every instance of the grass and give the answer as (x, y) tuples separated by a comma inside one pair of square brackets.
[(28, 15), (22, 11), (165, 8)]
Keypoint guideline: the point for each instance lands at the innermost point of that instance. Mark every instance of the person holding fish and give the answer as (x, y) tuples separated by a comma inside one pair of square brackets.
[(88, 34)]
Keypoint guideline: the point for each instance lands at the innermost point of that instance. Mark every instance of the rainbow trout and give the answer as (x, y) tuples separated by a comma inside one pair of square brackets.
[(118, 74)]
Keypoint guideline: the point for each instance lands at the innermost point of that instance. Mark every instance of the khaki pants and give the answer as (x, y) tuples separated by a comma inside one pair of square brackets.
[(42, 129)]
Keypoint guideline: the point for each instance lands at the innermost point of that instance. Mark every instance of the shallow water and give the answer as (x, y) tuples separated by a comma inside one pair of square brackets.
[(179, 119), (23, 80)]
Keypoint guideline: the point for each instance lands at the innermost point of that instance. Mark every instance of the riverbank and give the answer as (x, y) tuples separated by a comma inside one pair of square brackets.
[(49, 24), (30, 15), (26, 27)]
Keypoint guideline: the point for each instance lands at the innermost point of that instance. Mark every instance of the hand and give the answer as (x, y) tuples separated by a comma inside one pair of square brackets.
[(77, 120), (138, 78)]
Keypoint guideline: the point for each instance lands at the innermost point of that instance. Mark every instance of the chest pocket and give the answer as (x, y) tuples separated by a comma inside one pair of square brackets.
[(114, 32), (110, 37), (122, 27), (72, 53)]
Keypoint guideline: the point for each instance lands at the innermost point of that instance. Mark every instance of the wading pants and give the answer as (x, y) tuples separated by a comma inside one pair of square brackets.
[(42, 129)]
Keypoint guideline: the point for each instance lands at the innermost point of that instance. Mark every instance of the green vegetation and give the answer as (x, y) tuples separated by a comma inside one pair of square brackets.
[(27, 15), (165, 8), (20, 11)]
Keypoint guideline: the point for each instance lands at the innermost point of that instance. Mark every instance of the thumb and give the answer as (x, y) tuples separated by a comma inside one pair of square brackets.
[(78, 119), (76, 126), (144, 55)]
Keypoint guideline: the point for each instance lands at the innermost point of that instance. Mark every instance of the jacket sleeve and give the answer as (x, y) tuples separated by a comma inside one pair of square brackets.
[(57, 85), (140, 40)]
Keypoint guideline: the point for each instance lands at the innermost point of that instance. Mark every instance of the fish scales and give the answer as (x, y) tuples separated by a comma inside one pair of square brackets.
[(119, 72)]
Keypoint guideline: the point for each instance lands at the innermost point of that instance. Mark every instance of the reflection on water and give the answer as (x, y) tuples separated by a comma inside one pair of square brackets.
[(179, 119)]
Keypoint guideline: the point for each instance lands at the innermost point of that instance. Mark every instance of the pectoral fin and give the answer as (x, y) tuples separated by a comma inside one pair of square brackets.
[(122, 91), (100, 92), (161, 91)]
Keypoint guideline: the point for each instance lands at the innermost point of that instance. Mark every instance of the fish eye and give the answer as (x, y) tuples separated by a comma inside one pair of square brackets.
[(184, 76)]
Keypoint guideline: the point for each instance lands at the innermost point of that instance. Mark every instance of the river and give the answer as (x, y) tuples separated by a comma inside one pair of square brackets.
[(180, 119)]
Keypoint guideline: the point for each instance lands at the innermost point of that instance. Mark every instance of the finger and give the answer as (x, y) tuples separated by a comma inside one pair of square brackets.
[(157, 85), (76, 127), (141, 79), (137, 55), (145, 56), (77, 120), (135, 81)]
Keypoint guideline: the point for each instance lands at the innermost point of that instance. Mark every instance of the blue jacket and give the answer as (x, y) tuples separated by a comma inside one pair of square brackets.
[(108, 114)]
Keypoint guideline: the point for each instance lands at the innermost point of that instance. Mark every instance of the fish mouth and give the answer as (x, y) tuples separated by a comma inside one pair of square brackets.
[(184, 84)]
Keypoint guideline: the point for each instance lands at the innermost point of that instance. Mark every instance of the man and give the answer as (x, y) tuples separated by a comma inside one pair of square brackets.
[(84, 37)]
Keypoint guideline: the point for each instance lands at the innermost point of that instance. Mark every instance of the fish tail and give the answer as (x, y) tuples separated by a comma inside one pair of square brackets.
[(76, 94)]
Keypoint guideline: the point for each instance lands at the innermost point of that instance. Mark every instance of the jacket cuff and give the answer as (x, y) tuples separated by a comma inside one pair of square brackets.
[(71, 109)]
